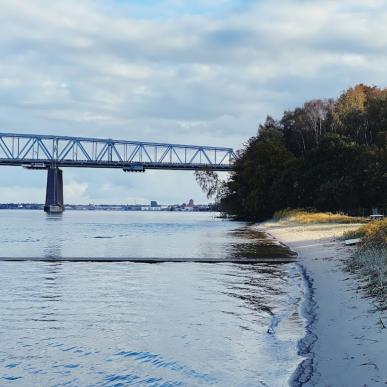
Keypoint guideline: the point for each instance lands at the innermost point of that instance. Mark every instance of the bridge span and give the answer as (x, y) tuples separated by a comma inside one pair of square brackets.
[(49, 152)]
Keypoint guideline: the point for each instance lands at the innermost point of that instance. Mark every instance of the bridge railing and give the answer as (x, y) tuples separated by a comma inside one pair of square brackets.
[(39, 150)]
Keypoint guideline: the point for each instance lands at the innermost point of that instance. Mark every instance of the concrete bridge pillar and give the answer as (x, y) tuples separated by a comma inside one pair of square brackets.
[(54, 192)]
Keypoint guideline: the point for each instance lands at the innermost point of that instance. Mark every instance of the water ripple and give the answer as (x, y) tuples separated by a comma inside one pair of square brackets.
[(120, 324), (157, 361)]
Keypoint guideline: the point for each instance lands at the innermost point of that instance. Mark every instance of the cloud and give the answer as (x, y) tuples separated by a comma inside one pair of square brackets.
[(20, 193), (178, 71), (74, 190)]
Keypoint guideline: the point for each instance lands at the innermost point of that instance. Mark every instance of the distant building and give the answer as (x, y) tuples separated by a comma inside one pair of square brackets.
[(190, 203), (150, 208), (153, 203)]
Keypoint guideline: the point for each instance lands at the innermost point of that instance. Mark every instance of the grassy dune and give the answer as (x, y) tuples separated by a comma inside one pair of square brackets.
[(309, 217), (373, 232), (370, 259)]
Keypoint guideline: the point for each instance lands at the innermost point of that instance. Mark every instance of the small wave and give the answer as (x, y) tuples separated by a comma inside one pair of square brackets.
[(71, 365), (158, 362), (128, 378), (11, 378), (12, 365), (132, 379), (27, 240)]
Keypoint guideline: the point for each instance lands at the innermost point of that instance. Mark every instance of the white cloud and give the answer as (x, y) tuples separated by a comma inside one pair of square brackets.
[(74, 190)]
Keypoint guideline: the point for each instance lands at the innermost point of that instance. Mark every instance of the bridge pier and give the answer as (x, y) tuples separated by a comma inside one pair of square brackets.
[(54, 192)]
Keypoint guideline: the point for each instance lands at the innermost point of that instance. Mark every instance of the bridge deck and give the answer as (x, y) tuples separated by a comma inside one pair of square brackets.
[(126, 166)]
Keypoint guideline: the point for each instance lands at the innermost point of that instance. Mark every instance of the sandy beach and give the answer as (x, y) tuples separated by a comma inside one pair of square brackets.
[(346, 344)]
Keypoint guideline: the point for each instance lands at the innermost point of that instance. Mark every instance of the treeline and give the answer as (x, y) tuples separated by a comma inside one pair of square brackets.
[(330, 155)]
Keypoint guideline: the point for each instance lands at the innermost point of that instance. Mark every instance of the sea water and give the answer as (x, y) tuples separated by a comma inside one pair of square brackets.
[(135, 324)]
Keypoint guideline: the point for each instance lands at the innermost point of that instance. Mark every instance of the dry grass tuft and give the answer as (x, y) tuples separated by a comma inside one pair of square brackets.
[(374, 230), (309, 217)]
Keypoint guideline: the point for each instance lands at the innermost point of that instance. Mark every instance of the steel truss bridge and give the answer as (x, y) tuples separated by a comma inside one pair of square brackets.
[(36, 151), (52, 152)]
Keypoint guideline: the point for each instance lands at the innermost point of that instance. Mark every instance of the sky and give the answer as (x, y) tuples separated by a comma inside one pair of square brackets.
[(195, 72)]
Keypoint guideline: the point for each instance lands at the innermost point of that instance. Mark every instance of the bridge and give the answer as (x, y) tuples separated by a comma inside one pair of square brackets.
[(49, 152)]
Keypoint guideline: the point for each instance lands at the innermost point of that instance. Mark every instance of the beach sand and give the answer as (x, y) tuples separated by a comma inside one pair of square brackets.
[(346, 344)]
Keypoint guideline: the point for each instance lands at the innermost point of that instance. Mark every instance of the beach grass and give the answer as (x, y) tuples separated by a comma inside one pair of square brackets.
[(372, 231), (301, 216), (370, 258)]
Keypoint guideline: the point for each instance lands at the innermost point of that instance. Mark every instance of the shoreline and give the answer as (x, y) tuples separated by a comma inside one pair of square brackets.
[(304, 371), (342, 330)]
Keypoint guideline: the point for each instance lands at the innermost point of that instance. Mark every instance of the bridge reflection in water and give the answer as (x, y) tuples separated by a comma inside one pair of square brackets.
[(51, 153)]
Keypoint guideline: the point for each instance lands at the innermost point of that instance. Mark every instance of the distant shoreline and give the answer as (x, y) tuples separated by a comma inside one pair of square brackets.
[(113, 207), (342, 331)]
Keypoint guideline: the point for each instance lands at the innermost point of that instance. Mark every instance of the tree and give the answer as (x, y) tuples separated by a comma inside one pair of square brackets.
[(327, 154), (247, 193)]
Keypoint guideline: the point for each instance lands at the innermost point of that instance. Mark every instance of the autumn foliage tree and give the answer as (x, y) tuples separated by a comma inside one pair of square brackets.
[(329, 155)]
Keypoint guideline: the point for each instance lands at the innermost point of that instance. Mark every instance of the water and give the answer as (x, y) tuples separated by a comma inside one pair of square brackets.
[(126, 234), (124, 324)]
